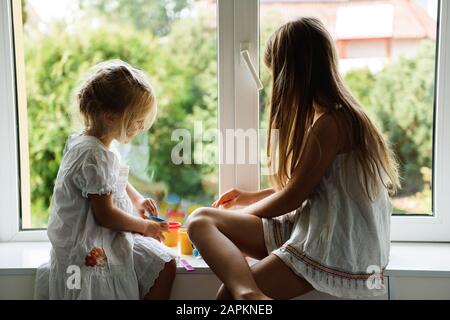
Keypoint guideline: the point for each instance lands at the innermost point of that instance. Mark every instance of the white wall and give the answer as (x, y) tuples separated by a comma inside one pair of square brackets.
[(205, 286), (186, 287), (407, 48), (366, 49)]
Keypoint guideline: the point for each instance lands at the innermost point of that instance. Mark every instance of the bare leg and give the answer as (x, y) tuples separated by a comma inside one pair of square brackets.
[(286, 284), (163, 285), (221, 236)]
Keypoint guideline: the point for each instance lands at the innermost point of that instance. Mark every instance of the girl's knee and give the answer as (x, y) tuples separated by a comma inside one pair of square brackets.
[(163, 285), (171, 266), (170, 269), (197, 220), (200, 213)]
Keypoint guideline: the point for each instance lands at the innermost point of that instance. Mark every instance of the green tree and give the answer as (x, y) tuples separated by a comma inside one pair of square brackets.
[(361, 82), (24, 11), (150, 15), (54, 65), (400, 97), (403, 96), (188, 92), (182, 69)]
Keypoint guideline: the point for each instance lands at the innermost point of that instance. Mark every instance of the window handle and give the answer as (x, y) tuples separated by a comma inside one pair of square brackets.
[(246, 56)]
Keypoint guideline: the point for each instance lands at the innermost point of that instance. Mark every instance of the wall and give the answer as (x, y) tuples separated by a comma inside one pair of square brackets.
[(206, 286)]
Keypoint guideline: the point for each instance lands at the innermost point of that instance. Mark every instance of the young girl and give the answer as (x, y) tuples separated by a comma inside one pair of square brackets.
[(91, 225), (326, 223)]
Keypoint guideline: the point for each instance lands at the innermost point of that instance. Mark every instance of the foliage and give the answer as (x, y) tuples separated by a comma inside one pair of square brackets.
[(24, 11), (154, 16), (401, 97), (185, 85)]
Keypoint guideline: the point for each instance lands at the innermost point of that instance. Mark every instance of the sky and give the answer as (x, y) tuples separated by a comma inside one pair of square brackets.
[(49, 10), (53, 9), (57, 9)]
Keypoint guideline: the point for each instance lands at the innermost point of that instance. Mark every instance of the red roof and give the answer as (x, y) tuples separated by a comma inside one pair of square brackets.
[(410, 20)]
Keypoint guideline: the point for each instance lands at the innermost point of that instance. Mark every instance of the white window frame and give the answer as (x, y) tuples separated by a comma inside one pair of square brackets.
[(437, 227), (9, 164), (238, 25)]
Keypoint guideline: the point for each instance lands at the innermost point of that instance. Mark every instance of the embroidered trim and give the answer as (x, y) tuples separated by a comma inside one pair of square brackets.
[(303, 257)]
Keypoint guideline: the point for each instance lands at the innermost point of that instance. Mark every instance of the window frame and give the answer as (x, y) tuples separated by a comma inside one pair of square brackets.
[(238, 108), (238, 28), (435, 228), (11, 172)]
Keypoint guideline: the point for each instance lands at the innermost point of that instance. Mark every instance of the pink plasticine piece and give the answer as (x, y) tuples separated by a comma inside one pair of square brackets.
[(186, 265)]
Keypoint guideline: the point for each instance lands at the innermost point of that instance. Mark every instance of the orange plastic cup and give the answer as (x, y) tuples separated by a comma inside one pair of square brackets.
[(171, 237), (185, 242)]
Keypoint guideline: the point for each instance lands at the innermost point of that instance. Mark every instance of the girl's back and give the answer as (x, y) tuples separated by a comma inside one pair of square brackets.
[(86, 166), (339, 236)]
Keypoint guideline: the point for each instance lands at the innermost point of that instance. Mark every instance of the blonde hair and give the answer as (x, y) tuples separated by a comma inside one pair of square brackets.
[(117, 88), (303, 63)]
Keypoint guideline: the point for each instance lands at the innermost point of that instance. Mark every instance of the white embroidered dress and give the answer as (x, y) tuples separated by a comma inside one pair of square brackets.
[(133, 262), (338, 240)]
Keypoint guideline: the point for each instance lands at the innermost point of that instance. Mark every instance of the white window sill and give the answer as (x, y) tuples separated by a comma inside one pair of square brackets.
[(18, 258), (408, 259), (419, 259)]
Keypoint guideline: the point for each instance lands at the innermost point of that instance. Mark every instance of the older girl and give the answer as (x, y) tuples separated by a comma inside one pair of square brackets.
[(326, 222)]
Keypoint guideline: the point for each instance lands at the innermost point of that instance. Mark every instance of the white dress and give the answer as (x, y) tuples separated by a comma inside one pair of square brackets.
[(338, 240), (127, 265)]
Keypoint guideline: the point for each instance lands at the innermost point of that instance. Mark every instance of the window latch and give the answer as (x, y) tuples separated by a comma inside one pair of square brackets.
[(246, 57)]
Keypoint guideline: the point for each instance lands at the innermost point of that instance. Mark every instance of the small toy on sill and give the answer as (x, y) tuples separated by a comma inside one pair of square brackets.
[(154, 217), (171, 237), (186, 265), (185, 242), (196, 253)]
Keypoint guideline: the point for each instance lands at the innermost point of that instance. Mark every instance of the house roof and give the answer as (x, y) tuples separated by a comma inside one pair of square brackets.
[(398, 19)]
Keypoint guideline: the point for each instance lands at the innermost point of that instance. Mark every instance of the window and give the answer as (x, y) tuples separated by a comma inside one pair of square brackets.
[(388, 62), (174, 41), (192, 51)]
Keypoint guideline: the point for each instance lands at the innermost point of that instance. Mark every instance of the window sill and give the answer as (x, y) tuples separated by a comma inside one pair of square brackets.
[(22, 258), (408, 259), (419, 259)]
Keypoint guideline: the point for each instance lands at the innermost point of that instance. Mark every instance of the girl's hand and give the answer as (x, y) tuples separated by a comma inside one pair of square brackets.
[(146, 205), (234, 197), (155, 229)]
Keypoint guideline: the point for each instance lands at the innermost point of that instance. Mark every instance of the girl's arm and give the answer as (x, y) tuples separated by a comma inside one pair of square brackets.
[(109, 216), (236, 197), (261, 194), (320, 150), (140, 203), (134, 195)]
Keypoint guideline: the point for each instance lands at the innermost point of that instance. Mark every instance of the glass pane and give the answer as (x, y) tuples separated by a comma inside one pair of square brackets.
[(387, 57), (174, 41)]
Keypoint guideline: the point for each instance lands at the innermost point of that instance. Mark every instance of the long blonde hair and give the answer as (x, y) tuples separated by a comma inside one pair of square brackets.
[(302, 59), (120, 89)]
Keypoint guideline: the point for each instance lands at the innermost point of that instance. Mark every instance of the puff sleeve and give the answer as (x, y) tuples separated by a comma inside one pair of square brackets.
[(97, 172)]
